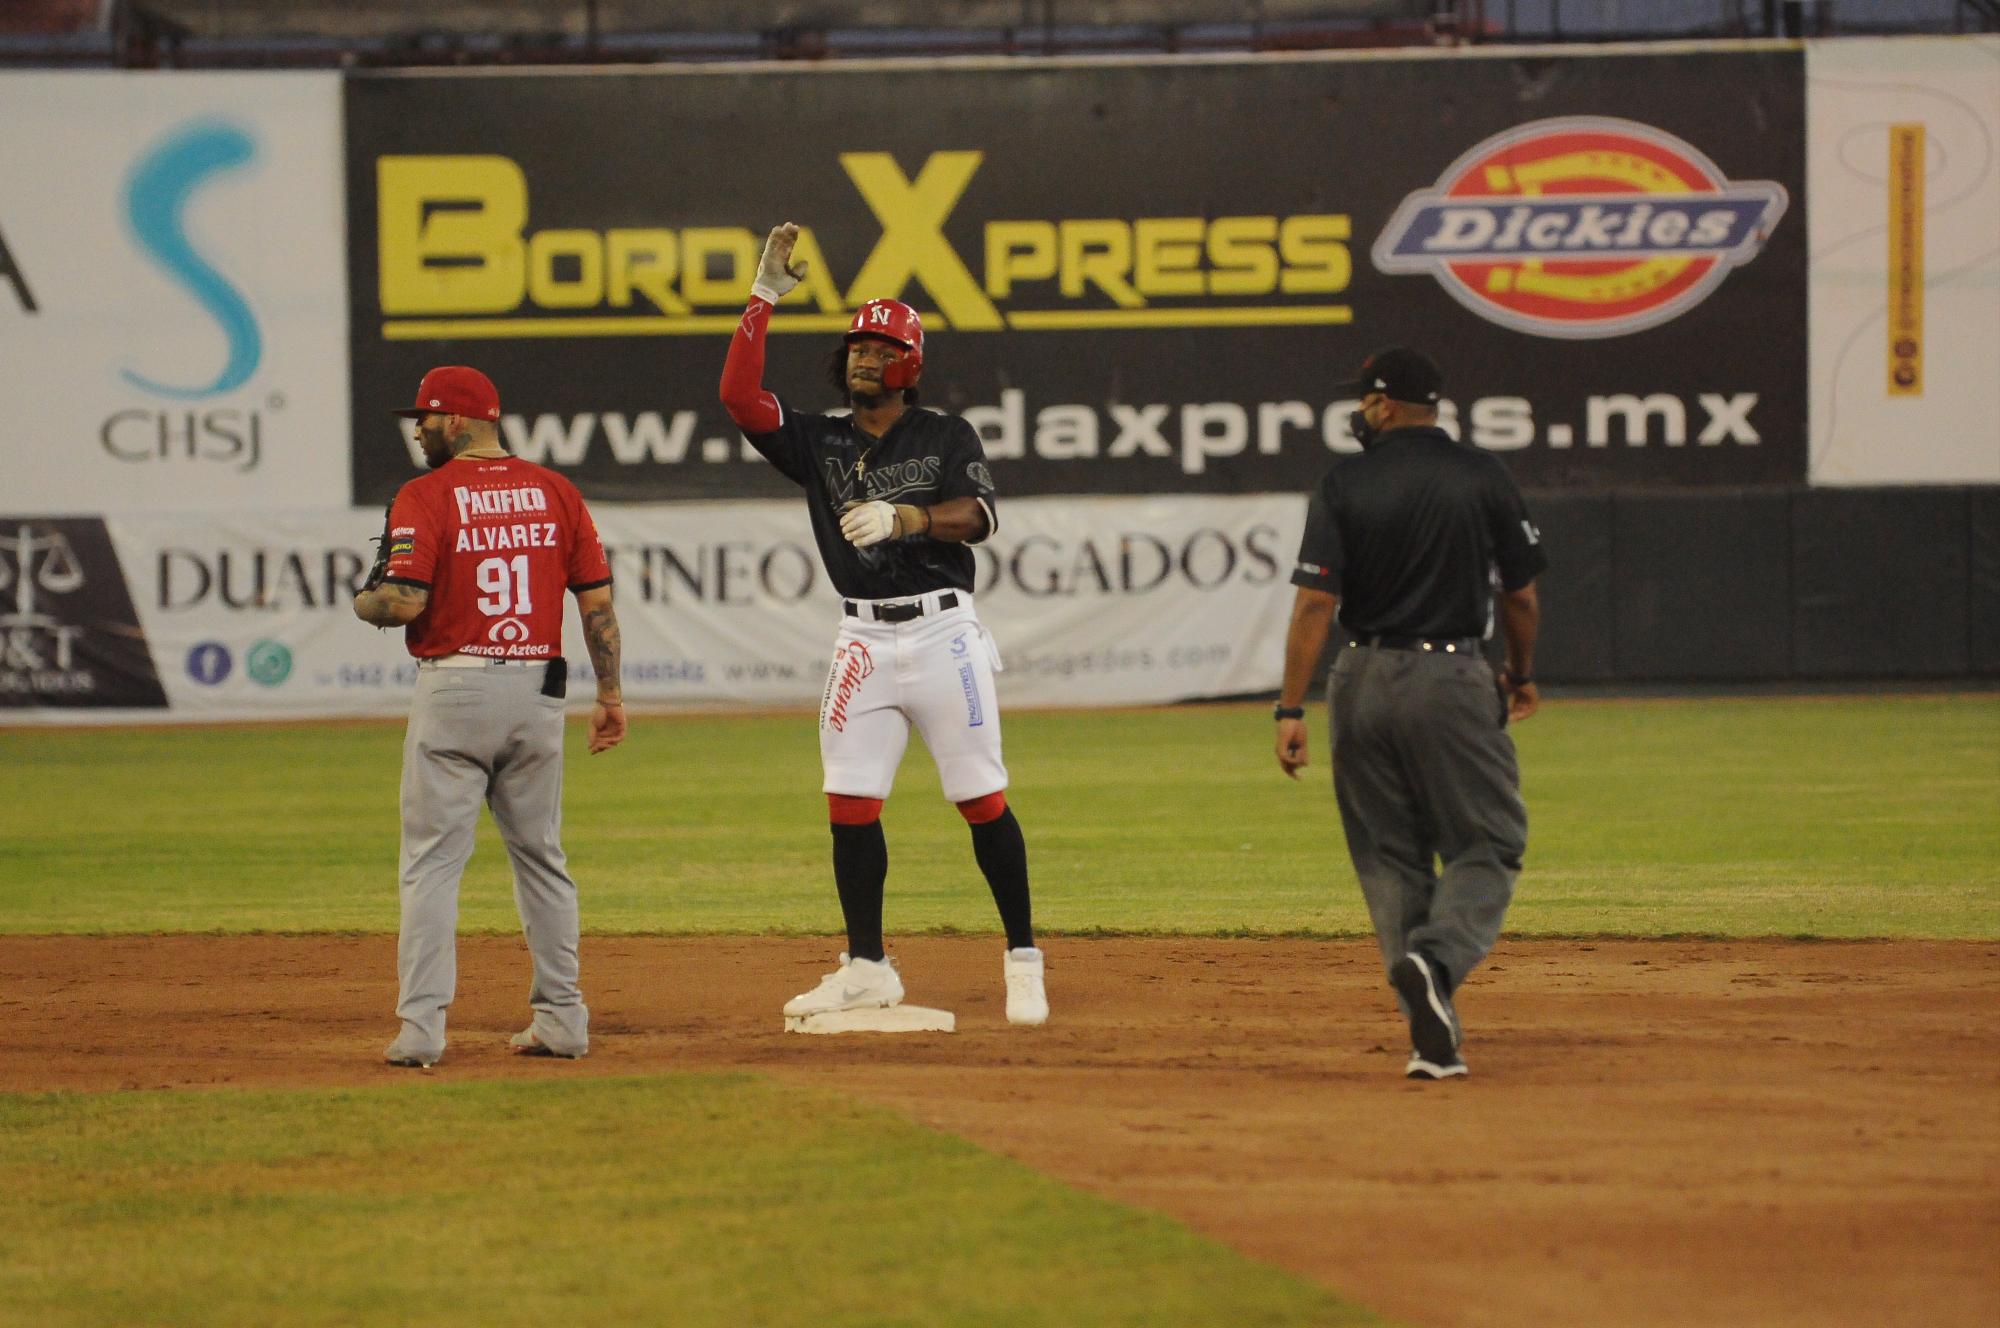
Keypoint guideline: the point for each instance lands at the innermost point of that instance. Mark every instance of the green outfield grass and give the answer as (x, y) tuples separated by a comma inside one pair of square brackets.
[(728, 1200), (683, 1199), (1863, 816)]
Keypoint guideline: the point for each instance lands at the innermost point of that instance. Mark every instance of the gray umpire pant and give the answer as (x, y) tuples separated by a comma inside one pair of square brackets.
[(1424, 771), (485, 734)]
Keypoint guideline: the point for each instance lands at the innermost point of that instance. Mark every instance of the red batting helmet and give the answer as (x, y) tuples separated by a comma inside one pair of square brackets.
[(892, 320)]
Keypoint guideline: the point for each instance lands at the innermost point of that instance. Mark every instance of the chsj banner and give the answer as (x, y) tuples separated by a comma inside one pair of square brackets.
[(1606, 262), (172, 287), (240, 616)]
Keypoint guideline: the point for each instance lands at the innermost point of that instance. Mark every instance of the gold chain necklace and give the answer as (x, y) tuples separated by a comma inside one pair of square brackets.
[(861, 462)]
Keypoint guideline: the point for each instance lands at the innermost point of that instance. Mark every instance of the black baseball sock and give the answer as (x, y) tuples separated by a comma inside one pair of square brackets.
[(1003, 855), (860, 865)]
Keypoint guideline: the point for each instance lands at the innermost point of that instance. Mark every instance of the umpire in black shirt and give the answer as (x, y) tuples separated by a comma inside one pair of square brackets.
[(1407, 542)]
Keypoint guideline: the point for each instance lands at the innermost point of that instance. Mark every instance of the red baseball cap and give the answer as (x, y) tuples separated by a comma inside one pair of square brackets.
[(455, 389)]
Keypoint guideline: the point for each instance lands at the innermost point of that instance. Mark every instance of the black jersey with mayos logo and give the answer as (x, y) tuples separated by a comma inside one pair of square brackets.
[(926, 458), (1411, 533)]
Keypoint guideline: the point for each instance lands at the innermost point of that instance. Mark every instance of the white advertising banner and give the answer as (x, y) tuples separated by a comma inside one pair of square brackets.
[(1903, 219), (173, 292), (1093, 601)]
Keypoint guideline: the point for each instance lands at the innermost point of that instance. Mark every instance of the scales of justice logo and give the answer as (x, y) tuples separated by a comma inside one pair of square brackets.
[(36, 562), (68, 632), (21, 574)]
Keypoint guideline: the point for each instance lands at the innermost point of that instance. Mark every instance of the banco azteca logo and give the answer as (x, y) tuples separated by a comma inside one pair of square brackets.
[(1581, 227)]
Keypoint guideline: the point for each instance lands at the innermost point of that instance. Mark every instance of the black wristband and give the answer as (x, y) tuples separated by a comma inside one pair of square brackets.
[(1288, 712), (1517, 680)]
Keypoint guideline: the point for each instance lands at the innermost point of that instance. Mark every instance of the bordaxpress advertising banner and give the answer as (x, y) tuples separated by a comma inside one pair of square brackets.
[(1135, 278)]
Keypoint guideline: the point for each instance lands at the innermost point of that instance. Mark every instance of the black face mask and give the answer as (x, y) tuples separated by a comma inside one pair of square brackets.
[(1364, 432)]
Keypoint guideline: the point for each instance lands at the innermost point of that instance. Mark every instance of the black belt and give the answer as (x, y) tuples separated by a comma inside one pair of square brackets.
[(1453, 645), (895, 613)]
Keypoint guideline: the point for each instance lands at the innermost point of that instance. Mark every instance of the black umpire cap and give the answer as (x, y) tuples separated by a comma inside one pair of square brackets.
[(1399, 373)]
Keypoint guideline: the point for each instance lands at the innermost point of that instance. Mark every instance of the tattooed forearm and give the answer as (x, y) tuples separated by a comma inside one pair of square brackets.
[(391, 604), (600, 637)]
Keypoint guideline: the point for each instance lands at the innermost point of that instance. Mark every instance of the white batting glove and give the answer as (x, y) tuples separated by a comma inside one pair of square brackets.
[(776, 272), (869, 523)]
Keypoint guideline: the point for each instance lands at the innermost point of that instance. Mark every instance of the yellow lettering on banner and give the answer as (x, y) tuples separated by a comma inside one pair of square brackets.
[(1315, 252), (455, 250), (817, 284), (642, 261), (1239, 251), (1166, 258), (1098, 252), (449, 234), (913, 247), (699, 281), (1018, 251), (549, 286), (1906, 260)]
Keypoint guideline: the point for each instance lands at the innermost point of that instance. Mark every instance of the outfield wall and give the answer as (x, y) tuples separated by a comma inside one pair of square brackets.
[(1684, 290), (1772, 585)]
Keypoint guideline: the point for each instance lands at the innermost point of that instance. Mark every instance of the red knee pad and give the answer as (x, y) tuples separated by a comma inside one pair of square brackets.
[(978, 811), (843, 810)]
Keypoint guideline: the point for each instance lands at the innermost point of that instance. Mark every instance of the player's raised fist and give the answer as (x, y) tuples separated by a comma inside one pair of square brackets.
[(776, 272)]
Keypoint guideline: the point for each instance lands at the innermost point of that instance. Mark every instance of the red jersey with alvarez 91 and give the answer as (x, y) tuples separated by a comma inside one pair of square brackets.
[(497, 541)]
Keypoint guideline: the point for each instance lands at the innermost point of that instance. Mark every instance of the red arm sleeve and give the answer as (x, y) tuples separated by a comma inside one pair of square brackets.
[(754, 410), (416, 537), (588, 567)]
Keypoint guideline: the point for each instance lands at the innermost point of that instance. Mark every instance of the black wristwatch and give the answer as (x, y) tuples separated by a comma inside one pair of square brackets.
[(1288, 712)]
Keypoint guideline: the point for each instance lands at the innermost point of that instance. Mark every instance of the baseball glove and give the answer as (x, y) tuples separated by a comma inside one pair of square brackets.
[(380, 568)]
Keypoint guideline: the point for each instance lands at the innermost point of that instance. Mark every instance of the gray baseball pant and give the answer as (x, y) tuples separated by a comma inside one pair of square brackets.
[(485, 734), (1424, 772)]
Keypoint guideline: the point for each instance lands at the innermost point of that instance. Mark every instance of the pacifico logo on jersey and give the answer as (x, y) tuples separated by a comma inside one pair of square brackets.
[(1581, 227)]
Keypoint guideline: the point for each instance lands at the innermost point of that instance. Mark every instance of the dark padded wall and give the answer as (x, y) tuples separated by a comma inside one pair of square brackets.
[(1701, 587), (1880, 581), (1770, 585), (1983, 589), (1575, 592)]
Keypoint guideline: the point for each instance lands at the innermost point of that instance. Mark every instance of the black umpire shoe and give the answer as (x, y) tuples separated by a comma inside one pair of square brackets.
[(1419, 1068), (1433, 1025)]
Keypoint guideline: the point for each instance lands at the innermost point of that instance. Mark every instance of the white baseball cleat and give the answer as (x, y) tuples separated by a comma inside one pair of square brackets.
[(529, 1043), (858, 984), (1027, 1000), (398, 1054)]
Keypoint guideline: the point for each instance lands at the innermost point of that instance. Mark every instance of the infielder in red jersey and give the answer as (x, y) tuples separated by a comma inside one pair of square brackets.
[(895, 494), (474, 563)]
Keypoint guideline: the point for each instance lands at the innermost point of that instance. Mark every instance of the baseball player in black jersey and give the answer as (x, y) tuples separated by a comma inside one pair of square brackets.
[(1408, 542), (896, 493)]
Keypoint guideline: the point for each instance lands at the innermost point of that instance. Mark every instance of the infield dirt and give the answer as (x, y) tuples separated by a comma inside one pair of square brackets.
[(1654, 1132)]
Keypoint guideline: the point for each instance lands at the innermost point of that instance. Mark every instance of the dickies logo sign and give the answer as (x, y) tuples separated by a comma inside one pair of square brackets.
[(1582, 227)]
